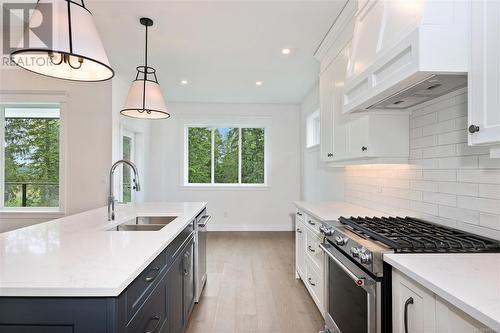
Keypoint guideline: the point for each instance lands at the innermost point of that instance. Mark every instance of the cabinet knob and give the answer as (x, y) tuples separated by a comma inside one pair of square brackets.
[(364, 148), (473, 129), (330, 155)]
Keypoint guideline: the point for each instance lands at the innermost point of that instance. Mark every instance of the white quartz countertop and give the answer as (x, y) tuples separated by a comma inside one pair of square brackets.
[(471, 282), (76, 256), (332, 210)]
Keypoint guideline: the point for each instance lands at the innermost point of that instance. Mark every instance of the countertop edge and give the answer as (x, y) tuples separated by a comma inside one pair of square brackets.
[(49, 292), (300, 205), (465, 307)]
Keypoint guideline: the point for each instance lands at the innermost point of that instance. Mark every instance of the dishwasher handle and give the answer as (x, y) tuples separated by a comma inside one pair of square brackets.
[(204, 220)]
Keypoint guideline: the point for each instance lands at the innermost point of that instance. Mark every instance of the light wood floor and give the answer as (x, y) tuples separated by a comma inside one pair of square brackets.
[(251, 287)]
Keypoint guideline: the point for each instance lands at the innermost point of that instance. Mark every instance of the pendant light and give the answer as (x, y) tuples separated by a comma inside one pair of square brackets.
[(144, 99), (76, 53)]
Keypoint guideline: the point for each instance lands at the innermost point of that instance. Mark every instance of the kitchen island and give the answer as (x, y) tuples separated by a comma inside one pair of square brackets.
[(78, 274)]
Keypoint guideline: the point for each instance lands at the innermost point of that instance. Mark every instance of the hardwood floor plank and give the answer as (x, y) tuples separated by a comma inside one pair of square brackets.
[(251, 287)]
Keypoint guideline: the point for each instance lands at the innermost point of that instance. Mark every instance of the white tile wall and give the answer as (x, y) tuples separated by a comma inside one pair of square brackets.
[(446, 181)]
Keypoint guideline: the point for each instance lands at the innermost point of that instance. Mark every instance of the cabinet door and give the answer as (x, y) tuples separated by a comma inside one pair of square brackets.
[(175, 296), (340, 120), (300, 234), (326, 113), (359, 129), (484, 73), (449, 319), (188, 285), (416, 302)]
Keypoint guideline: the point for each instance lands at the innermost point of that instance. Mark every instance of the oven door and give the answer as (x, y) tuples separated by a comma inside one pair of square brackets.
[(353, 296)]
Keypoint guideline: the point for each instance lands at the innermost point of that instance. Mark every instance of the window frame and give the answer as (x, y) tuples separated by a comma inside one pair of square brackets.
[(41, 100), (234, 122), (313, 130), (132, 135)]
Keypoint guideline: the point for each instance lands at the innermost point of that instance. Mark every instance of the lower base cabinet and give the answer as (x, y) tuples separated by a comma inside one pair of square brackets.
[(181, 289), (309, 264), (416, 309), (159, 300)]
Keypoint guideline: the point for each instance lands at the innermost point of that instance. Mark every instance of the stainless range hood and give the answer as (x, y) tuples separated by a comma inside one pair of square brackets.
[(423, 91)]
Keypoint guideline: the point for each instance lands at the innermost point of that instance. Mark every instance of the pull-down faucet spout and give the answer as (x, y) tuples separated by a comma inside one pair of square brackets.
[(111, 198)]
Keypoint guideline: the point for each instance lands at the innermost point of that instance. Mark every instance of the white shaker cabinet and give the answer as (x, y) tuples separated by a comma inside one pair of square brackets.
[(334, 125), (300, 243), (484, 73), (309, 258), (326, 113), (413, 307), (416, 309)]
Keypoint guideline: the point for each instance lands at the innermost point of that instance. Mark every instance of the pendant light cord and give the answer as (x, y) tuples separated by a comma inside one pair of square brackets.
[(145, 73)]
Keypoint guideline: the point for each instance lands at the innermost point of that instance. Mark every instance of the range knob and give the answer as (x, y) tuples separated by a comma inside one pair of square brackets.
[(355, 251), (327, 231), (341, 240), (365, 257)]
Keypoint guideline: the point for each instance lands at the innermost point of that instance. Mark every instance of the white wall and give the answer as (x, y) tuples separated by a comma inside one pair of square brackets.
[(268, 208), (88, 146), (140, 127), (319, 182), (446, 181)]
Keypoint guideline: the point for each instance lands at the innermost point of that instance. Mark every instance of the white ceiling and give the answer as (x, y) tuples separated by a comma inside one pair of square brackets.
[(221, 47)]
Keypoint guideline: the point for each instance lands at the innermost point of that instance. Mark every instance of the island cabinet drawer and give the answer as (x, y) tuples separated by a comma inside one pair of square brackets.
[(152, 315), (174, 249), (139, 290)]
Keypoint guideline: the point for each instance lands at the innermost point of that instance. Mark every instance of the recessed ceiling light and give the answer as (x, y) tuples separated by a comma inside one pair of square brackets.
[(184, 82), (258, 83), (286, 51)]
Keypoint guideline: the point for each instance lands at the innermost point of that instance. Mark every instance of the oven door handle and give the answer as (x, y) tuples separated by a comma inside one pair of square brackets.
[(358, 281)]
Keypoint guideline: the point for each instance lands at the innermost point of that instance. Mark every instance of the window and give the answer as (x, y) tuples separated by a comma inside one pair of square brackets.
[(128, 147), (313, 129), (29, 158), (225, 155)]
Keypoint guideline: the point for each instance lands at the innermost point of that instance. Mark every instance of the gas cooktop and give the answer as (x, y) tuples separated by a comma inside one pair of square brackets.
[(411, 235)]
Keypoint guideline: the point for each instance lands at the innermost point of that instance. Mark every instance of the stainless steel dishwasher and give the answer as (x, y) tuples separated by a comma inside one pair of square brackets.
[(201, 253)]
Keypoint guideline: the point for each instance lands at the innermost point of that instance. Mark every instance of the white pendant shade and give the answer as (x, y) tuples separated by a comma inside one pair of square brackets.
[(76, 53), (154, 104)]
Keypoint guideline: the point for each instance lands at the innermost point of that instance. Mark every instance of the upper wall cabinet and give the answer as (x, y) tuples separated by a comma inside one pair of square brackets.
[(359, 138), (405, 52), (484, 74)]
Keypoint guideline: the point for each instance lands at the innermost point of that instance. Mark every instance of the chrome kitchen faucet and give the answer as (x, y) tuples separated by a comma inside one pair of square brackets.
[(111, 198)]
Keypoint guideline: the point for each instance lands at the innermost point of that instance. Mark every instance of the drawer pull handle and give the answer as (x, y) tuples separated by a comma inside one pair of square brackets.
[(299, 213), (310, 282), (155, 271), (311, 249), (185, 263), (299, 231), (311, 222), (153, 330), (407, 303)]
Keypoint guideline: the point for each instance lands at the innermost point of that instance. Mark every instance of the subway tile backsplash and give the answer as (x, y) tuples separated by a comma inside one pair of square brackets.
[(446, 181)]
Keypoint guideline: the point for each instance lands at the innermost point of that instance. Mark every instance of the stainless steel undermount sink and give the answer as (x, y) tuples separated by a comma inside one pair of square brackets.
[(144, 223), (164, 220)]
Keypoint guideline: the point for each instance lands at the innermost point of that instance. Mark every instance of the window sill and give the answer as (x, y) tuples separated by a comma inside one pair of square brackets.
[(313, 147), (224, 187), (31, 213)]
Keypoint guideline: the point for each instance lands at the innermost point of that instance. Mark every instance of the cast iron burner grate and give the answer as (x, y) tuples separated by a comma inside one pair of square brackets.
[(411, 235)]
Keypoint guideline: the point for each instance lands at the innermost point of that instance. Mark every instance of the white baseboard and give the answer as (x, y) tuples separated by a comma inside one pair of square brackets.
[(254, 227)]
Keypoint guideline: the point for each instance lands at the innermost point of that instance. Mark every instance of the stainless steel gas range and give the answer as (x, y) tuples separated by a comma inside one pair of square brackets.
[(358, 280)]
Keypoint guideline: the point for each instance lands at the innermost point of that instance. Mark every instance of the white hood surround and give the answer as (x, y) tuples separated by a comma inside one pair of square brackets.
[(404, 53)]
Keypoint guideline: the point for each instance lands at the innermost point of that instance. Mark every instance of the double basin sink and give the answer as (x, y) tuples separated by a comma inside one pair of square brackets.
[(144, 223)]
